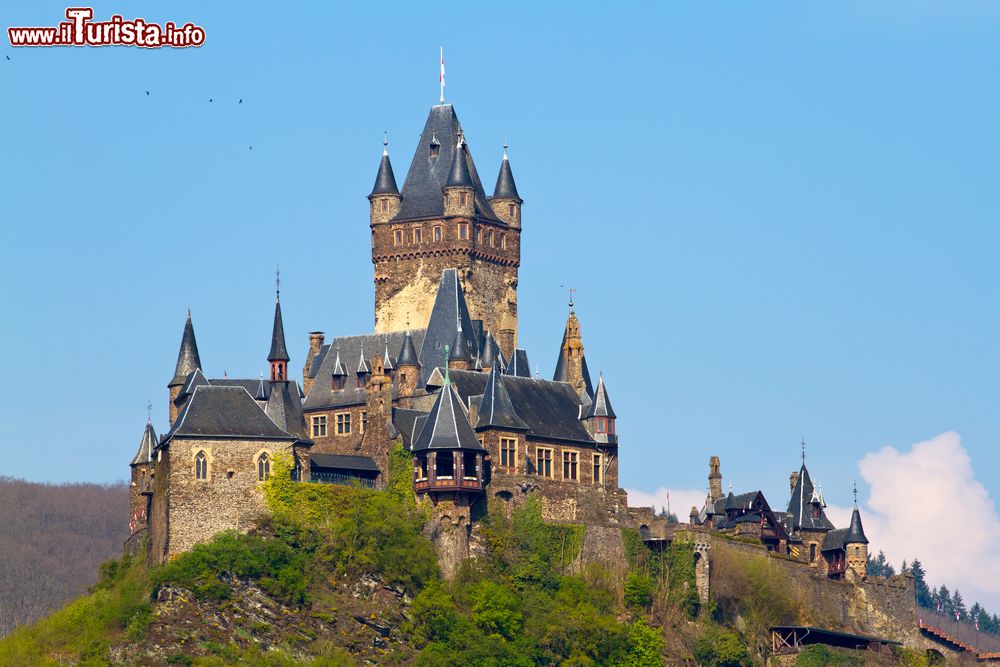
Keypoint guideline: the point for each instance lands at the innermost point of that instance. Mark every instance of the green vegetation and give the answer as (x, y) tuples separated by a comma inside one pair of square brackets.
[(819, 655), (721, 648)]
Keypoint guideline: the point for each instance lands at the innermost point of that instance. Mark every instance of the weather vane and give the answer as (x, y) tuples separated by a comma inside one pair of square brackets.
[(149, 411), (277, 280), (571, 290)]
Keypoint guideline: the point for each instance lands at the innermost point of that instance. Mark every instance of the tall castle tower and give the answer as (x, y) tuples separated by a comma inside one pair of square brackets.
[(443, 219)]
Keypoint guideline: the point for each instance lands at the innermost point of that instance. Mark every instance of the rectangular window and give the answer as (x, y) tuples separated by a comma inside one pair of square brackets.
[(397, 237), (463, 198), (364, 421), (385, 205), (544, 457), (503, 241), (479, 236), (598, 468), (493, 242), (508, 453), (569, 465), (418, 234), (437, 234), (344, 423), (510, 210), (463, 231), (319, 426)]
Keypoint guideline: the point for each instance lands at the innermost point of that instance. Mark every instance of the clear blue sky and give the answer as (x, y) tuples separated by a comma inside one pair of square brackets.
[(781, 218)]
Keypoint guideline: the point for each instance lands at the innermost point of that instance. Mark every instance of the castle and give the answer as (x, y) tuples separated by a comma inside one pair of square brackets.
[(454, 389)]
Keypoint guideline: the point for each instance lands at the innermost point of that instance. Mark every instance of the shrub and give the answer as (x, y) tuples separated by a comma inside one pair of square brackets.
[(721, 648), (638, 591), (433, 613)]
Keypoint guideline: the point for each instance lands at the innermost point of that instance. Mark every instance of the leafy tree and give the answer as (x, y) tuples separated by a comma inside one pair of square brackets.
[(638, 591), (495, 609), (647, 646), (433, 613)]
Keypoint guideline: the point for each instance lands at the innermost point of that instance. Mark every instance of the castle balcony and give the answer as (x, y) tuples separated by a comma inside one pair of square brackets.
[(837, 568), (448, 484)]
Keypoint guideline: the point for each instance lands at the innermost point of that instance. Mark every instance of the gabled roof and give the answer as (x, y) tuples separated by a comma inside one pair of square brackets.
[(284, 407), (228, 412), (447, 425), (834, 540), (519, 364), (187, 358), (385, 180), (338, 365), (388, 362), (322, 395), (146, 446), (601, 405), (495, 408), (448, 314), (422, 196), (801, 506), (505, 188), (278, 350), (363, 365), (195, 379)]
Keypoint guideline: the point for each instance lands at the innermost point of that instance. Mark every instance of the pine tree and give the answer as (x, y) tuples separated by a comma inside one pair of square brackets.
[(958, 604), (921, 591), (903, 569), (880, 566)]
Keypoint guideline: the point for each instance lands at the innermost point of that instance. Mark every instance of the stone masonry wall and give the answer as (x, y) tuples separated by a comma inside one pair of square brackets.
[(230, 498)]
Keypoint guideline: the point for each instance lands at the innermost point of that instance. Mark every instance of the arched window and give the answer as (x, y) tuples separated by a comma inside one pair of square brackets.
[(201, 466), (263, 467)]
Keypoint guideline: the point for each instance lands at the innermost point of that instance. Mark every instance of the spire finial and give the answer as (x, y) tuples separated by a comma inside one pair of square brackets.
[(803, 450), (505, 148), (442, 75), (571, 290), (855, 494), (189, 312), (277, 282), (385, 142), (407, 322), (447, 354), (149, 412)]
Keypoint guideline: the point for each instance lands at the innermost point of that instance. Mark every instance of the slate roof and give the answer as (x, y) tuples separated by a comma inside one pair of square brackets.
[(495, 408), (834, 540), (448, 313), (385, 180), (278, 351), (505, 188), (447, 425), (551, 410), (422, 195), (801, 505), (187, 358), (146, 446), (224, 412), (343, 462), (519, 364), (459, 350), (404, 421), (408, 352), (321, 394), (284, 407), (459, 175), (490, 352), (601, 404), (856, 532)]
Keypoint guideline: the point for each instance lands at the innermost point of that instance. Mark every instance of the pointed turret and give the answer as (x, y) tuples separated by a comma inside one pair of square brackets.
[(459, 176), (600, 416), (496, 409), (601, 406), (505, 200), (447, 425), (384, 199), (408, 353), (146, 446), (459, 358), (278, 356), (490, 354), (806, 505), (571, 366), (519, 364), (856, 532), (459, 190), (187, 359)]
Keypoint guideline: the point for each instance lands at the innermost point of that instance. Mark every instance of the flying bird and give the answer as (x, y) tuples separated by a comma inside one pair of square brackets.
[(147, 93), (8, 57), (209, 100), (241, 100), (251, 148)]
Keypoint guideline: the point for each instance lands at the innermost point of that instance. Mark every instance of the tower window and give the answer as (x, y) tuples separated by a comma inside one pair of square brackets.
[(479, 236), (508, 453), (598, 468), (437, 233), (418, 234), (493, 242), (463, 198), (397, 237), (263, 468), (569, 465), (385, 205), (344, 423), (463, 231), (201, 466), (364, 421), (510, 210), (503, 241), (469, 465), (544, 458), (319, 426)]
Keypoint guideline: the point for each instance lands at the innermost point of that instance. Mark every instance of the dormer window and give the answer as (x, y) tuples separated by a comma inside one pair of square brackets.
[(338, 382), (435, 148), (362, 380)]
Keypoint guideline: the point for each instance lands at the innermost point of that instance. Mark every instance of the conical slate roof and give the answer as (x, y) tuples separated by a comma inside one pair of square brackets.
[(459, 350), (519, 364), (601, 405), (447, 425), (496, 408), (490, 355), (428, 175), (408, 353), (459, 175), (856, 532), (278, 351), (146, 446), (801, 505), (449, 314), (385, 180), (187, 359), (505, 188)]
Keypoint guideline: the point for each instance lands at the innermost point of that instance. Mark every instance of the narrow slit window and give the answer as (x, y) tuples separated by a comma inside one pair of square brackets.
[(201, 466), (263, 468)]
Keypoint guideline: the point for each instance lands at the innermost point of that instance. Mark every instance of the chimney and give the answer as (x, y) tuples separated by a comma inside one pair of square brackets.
[(714, 478), (316, 339), (792, 481)]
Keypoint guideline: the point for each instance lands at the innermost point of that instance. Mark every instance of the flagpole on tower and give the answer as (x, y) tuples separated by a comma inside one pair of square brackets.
[(442, 75)]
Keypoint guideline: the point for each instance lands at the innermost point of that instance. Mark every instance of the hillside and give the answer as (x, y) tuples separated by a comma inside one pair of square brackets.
[(343, 575), (53, 539)]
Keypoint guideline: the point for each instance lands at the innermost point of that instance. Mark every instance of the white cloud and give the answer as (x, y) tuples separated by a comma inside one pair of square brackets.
[(680, 501), (926, 503)]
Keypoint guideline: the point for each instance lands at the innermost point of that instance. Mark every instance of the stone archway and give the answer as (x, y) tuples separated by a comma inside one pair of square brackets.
[(701, 570)]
